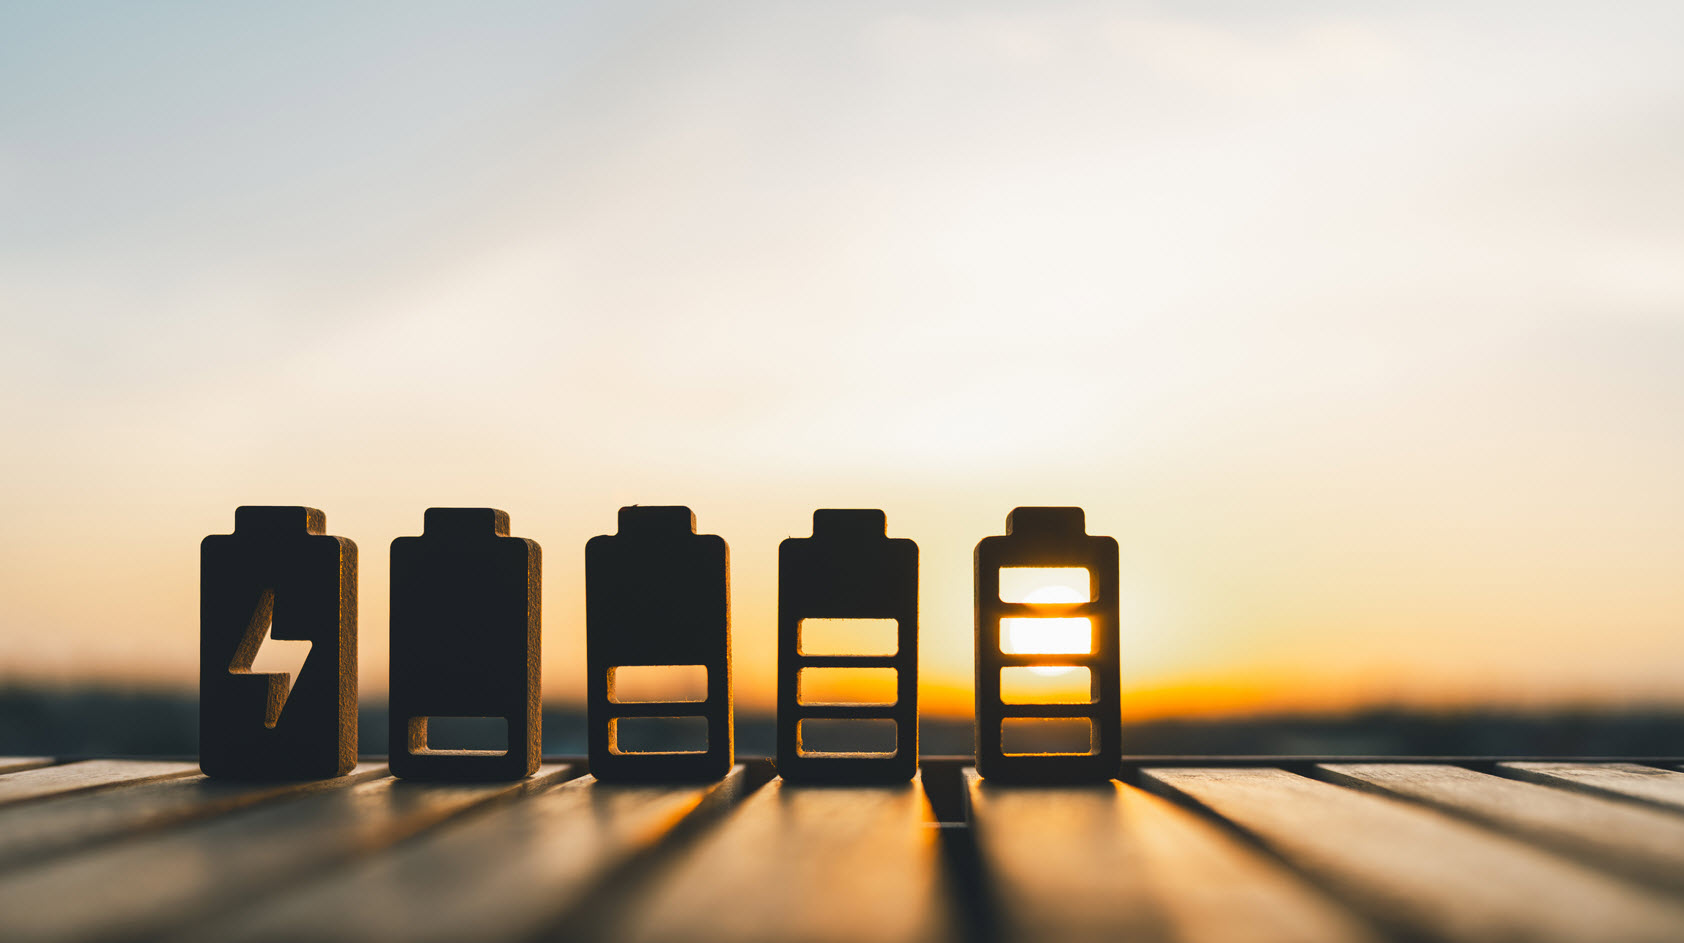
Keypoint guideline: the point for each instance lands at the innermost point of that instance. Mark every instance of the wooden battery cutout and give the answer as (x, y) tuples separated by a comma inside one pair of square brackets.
[(278, 575), (850, 569), (658, 596), (1040, 638), (466, 615)]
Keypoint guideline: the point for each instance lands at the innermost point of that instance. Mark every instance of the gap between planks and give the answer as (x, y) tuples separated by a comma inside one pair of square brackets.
[(1111, 861), (849, 864), (82, 775), (1621, 780), (505, 874), (1641, 842), (33, 832), (1374, 853), (1420, 872), (161, 883)]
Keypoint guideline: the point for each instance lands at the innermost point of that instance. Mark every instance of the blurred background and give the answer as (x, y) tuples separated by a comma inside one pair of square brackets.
[(1360, 326)]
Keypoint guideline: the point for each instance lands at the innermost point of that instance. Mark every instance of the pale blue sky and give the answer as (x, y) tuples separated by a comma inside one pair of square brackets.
[(1361, 326)]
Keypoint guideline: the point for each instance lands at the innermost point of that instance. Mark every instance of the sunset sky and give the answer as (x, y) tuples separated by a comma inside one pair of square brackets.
[(1359, 326)]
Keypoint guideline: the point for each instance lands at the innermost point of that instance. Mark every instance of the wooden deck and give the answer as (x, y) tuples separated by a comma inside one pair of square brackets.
[(1191, 850)]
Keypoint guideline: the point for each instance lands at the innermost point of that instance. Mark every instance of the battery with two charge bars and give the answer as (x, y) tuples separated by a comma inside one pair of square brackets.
[(658, 614), (1030, 638), (466, 620), (850, 569)]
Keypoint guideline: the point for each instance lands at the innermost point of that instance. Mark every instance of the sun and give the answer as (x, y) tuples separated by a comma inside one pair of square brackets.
[(1049, 635)]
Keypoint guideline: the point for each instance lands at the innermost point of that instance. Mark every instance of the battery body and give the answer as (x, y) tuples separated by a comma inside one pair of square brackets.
[(657, 595), (849, 569), (466, 617), (1043, 537), (279, 574)]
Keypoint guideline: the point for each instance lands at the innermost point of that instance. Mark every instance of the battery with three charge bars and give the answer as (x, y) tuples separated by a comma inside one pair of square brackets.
[(1040, 538), (466, 618), (278, 574), (658, 615), (850, 569)]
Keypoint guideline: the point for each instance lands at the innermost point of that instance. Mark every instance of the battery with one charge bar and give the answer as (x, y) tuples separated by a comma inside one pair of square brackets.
[(466, 618)]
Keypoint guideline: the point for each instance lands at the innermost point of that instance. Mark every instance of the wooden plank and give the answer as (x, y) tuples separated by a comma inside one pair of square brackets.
[(160, 883), (1111, 861), (850, 864), (12, 764), (505, 874), (87, 774), (1620, 780), (1421, 872), (1638, 841), (33, 832)]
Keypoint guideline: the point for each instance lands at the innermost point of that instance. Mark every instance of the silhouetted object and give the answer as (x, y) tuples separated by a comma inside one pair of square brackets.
[(657, 594), (848, 569), (465, 626), (280, 575), (1042, 538)]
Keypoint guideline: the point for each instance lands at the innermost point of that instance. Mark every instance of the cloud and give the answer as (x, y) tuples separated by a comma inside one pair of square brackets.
[(1244, 58), (1277, 60)]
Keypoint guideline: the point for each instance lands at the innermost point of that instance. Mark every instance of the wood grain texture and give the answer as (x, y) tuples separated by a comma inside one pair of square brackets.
[(502, 875), (1415, 852), (84, 775), (1110, 861), (1621, 780), (1638, 841), (164, 882), (1422, 872), (33, 832), (801, 864)]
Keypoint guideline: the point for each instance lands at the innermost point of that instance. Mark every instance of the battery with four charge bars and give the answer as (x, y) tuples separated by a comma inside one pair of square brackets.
[(466, 616), (1038, 538), (657, 596), (850, 569)]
